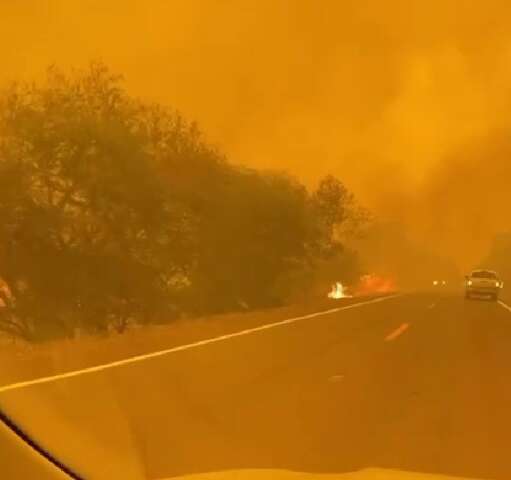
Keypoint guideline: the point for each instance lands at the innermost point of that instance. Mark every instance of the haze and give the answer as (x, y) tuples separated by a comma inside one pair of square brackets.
[(405, 101)]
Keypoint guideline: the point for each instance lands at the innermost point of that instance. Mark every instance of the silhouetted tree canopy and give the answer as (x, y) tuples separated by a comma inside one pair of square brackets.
[(114, 211)]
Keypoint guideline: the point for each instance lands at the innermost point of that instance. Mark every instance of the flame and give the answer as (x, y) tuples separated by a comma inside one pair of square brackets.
[(372, 283), (367, 285), (5, 293), (338, 291)]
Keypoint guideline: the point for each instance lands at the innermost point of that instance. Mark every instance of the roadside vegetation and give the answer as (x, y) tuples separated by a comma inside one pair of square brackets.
[(117, 212)]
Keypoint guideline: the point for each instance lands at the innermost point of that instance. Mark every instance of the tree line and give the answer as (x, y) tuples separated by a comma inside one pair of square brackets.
[(114, 211)]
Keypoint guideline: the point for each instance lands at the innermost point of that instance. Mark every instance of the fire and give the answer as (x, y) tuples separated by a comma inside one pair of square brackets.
[(372, 283), (367, 285), (338, 291)]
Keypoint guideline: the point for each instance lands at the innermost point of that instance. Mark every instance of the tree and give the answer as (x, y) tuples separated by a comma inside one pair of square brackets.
[(337, 215), (253, 233), (115, 211), (89, 235)]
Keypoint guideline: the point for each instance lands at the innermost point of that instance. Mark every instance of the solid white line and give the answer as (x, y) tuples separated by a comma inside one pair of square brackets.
[(502, 304), (180, 348)]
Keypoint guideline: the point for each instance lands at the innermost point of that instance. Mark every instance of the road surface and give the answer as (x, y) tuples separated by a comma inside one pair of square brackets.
[(420, 382)]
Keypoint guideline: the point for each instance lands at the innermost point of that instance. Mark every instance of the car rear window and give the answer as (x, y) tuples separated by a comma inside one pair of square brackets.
[(484, 274)]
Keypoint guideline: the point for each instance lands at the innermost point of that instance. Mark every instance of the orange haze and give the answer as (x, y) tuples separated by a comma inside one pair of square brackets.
[(407, 101)]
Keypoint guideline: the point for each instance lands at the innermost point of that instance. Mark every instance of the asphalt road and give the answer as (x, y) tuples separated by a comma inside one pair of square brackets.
[(421, 383)]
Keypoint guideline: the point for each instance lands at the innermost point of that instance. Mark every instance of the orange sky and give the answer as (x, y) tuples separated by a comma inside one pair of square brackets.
[(407, 101)]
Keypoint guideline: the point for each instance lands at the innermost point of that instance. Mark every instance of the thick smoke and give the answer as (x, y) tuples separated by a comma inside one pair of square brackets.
[(406, 101)]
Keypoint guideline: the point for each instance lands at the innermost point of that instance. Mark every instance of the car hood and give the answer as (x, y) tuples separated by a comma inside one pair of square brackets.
[(366, 474)]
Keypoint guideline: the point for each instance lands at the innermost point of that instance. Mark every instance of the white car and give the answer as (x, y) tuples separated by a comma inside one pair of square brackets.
[(483, 282)]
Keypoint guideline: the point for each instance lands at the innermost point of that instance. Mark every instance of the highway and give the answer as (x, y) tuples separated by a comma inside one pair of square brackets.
[(419, 382)]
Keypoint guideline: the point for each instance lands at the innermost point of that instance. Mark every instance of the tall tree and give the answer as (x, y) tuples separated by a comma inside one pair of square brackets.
[(88, 234), (115, 211)]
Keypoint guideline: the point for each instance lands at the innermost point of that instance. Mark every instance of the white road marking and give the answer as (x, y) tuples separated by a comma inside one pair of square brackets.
[(505, 305), (180, 348), (397, 332), (336, 378)]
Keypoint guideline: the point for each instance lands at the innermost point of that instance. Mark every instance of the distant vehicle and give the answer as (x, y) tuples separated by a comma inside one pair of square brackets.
[(439, 283), (483, 282)]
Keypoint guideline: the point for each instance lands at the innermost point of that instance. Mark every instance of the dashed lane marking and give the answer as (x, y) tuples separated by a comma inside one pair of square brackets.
[(397, 332)]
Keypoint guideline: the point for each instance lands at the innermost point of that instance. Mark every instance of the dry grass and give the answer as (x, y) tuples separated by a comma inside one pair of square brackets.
[(21, 361)]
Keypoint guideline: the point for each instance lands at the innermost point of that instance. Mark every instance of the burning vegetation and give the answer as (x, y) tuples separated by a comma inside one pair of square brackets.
[(369, 284), (373, 283), (338, 291)]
